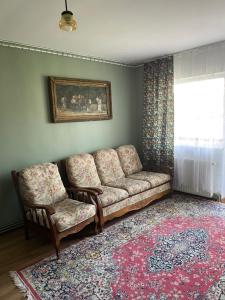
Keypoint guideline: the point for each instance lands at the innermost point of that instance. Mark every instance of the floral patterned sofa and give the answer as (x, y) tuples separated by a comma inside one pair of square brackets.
[(117, 178)]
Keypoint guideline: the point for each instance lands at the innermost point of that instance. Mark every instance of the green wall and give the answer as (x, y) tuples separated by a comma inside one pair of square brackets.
[(26, 132)]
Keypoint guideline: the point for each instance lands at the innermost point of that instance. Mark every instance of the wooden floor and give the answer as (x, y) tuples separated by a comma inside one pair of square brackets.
[(16, 252)]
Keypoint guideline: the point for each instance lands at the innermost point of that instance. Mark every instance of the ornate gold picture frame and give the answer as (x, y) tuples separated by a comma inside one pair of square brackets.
[(74, 100)]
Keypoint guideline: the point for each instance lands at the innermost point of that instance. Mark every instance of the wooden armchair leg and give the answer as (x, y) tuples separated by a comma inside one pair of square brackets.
[(55, 240), (101, 220), (101, 224), (96, 224), (57, 247)]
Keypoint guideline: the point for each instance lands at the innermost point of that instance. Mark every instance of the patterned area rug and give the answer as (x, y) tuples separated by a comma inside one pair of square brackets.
[(173, 249)]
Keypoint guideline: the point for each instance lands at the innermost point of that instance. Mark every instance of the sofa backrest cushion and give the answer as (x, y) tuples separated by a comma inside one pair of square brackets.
[(41, 184), (108, 165), (129, 159), (81, 171)]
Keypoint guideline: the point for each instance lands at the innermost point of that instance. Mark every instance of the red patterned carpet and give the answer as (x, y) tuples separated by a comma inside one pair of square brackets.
[(174, 249)]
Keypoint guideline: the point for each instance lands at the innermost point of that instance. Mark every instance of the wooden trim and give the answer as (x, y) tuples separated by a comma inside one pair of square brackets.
[(136, 206)]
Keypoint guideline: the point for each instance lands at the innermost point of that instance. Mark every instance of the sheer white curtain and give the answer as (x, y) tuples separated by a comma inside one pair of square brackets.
[(200, 120)]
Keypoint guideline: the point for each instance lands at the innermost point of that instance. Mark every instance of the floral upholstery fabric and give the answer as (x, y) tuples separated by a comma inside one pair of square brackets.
[(81, 170), (111, 195), (108, 165), (71, 212), (41, 184), (153, 178), (132, 186), (135, 199), (129, 159)]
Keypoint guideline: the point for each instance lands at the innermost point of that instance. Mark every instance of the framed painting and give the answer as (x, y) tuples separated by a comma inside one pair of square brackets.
[(80, 99)]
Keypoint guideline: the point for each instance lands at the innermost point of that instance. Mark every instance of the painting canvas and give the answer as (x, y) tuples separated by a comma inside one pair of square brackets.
[(80, 99)]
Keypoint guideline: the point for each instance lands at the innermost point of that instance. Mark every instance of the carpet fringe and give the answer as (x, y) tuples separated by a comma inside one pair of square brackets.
[(21, 286)]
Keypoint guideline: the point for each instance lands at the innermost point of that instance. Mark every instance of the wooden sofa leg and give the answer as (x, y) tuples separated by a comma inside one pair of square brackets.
[(171, 193)]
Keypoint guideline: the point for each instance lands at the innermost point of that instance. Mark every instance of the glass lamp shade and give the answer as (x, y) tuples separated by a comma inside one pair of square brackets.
[(67, 22)]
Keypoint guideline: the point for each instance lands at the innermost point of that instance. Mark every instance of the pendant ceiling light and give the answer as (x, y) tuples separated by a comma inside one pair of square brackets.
[(67, 22)]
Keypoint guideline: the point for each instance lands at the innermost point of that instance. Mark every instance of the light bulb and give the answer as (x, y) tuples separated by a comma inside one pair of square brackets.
[(67, 22)]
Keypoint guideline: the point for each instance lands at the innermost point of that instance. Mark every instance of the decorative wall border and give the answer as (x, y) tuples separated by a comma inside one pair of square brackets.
[(20, 46)]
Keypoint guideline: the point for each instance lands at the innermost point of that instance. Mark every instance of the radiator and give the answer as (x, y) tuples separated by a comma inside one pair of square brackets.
[(194, 177)]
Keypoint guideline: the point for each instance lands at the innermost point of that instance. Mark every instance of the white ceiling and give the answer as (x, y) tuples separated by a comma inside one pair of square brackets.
[(127, 31)]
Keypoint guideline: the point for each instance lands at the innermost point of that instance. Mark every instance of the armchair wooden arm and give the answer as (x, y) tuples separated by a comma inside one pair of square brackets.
[(40, 215), (49, 209)]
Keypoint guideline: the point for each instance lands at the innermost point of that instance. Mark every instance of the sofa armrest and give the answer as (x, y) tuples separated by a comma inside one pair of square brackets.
[(92, 191), (83, 194), (88, 195), (167, 170), (95, 190)]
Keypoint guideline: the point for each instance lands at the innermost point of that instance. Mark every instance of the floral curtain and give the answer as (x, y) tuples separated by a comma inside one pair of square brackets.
[(158, 116)]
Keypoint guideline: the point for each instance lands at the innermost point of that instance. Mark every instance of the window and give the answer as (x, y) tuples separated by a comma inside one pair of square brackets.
[(199, 112)]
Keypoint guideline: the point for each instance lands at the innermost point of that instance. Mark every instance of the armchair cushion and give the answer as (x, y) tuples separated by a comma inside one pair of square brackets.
[(41, 184), (111, 195), (132, 186), (108, 165), (71, 212), (129, 159), (155, 179), (81, 171)]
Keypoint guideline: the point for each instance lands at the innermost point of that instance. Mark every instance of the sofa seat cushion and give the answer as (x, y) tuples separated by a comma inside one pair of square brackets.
[(71, 212), (129, 159), (134, 200), (155, 179), (108, 165), (111, 195), (132, 186), (41, 184), (81, 170)]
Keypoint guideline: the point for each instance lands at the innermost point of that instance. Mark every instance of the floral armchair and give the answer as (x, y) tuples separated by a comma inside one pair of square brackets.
[(49, 207)]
